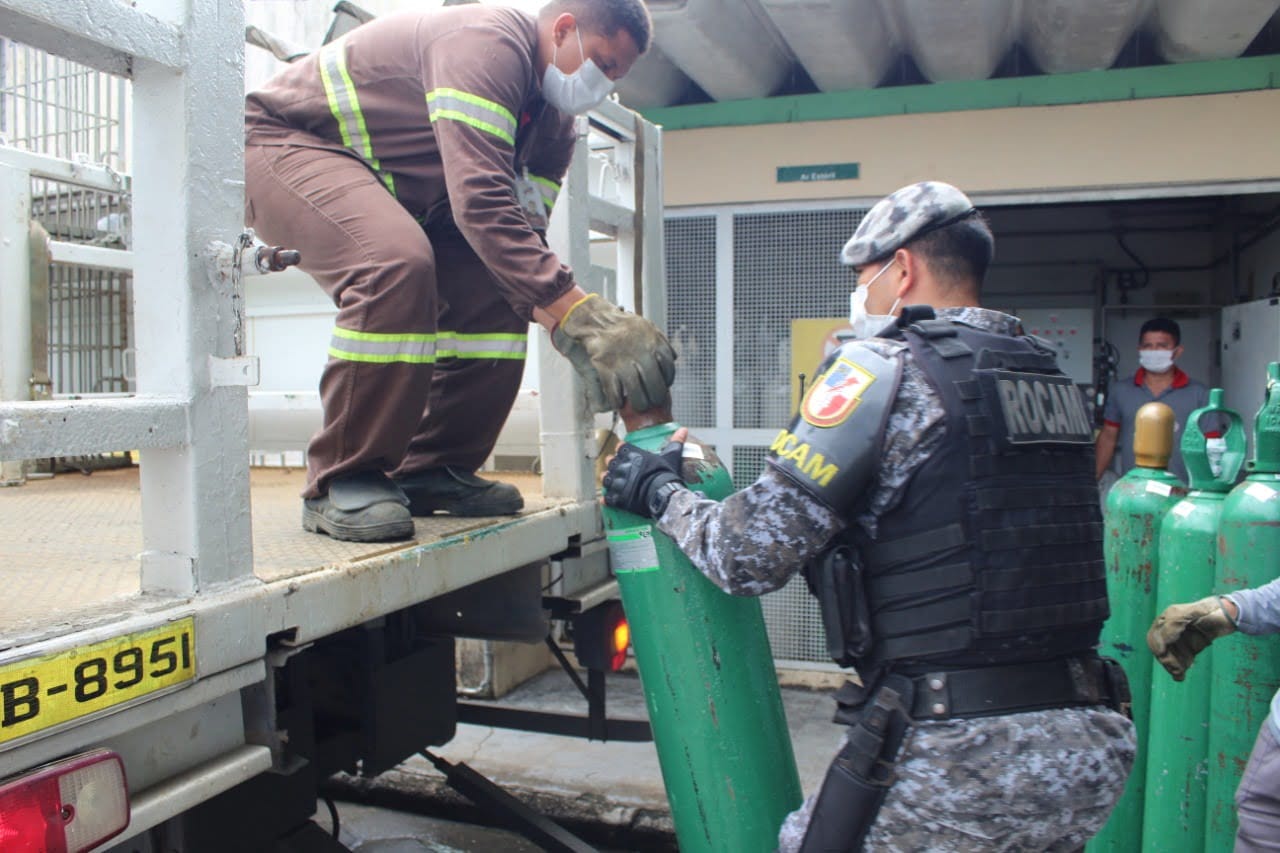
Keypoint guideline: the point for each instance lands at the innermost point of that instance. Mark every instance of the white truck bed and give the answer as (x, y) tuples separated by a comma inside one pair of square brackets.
[(159, 632), (69, 547), (69, 559)]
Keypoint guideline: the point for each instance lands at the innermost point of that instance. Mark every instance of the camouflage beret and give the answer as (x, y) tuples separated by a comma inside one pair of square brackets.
[(899, 218)]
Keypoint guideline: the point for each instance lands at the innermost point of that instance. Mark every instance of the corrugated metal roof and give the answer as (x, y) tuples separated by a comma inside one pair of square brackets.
[(724, 50)]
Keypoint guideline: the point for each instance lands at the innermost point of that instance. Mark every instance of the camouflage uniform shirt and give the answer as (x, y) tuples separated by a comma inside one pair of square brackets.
[(1043, 780)]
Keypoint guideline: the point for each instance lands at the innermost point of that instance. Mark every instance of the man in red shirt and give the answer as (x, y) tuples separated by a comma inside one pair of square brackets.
[(414, 162), (1158, 379)]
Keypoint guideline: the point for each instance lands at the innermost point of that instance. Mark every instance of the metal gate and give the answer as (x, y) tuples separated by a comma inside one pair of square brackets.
[(735, 281), (52, 106)]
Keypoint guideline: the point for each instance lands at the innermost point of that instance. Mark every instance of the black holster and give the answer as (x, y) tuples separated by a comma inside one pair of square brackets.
[(862, 773), (835, 579), (1120, 698)]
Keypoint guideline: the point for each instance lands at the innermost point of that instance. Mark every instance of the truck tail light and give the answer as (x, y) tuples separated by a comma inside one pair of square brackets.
[(621, 640), (65, 807), (601, 637)]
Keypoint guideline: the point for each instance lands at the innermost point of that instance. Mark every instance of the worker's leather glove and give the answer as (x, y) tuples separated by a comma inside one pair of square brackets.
[(643, 482), (1183, 631), (622, 357)]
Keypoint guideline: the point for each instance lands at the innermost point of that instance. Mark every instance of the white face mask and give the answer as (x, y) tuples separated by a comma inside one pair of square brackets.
[(866, 325), (1156, 360), (578, 92)]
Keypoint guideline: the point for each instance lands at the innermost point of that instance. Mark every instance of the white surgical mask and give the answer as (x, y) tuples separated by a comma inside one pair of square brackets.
[(1155, 360), (578, 92), (866, 325)]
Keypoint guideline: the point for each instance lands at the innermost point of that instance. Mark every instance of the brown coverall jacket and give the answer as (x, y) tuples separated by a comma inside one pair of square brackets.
[(390, 159)]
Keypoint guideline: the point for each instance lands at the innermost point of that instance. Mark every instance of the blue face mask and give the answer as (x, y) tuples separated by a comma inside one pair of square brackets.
[(578, 92)]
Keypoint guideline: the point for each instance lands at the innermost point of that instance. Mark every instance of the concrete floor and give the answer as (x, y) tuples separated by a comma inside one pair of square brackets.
[(609, 793), (370, 829)]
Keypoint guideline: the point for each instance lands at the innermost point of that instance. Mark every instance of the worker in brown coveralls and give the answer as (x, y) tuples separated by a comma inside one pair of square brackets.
[(414, 162)]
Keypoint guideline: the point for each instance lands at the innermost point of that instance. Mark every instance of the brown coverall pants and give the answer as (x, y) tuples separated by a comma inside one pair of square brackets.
[(386, 275)]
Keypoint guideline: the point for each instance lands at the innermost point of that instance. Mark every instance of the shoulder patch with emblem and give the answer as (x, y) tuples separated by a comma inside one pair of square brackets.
[(836, 393), (825, 451)]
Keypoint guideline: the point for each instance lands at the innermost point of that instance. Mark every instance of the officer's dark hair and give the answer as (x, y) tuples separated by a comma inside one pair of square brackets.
[(608, 16), (959, 253), (1162, 324)]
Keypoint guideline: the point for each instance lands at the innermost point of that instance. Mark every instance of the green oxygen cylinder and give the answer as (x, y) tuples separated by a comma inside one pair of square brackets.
[(708, 677), (1135, 507), (1245, 670), (1178, 739)]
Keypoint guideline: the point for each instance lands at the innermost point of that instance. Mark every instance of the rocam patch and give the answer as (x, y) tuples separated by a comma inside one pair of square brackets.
[(836, 393)]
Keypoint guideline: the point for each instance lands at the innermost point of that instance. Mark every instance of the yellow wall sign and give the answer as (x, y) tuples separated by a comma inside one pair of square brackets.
[(812, 340), (41, 692)]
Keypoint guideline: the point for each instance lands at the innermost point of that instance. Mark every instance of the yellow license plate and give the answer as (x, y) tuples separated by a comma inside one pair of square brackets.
[(38, 693)]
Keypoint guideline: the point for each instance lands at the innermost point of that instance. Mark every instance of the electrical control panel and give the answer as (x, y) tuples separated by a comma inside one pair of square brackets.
[(1070, 332)]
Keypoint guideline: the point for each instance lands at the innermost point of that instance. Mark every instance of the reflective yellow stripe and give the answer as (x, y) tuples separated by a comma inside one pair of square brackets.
[(377, 348), (344, 103), (482, 354), (501, 345), (548, 188), (378, 358), (547, 182), (338, 114), (425, 348), (480, 113)]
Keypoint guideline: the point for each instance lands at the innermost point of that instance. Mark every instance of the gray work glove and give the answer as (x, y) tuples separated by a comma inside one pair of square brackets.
[(622, 357), (1183, 631)]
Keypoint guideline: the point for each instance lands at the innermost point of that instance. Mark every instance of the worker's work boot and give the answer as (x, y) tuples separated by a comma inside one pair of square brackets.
[(361, 507), (458, 493)]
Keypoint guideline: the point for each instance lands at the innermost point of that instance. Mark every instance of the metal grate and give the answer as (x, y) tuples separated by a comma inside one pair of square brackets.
[(748, 462), (89, 331), (791, 614), (90, 309), (786, 266), (794, 623), (51, 105), (691, 316)]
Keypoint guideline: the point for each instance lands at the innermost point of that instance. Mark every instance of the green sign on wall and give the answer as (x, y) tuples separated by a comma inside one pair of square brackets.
[(828, 172)]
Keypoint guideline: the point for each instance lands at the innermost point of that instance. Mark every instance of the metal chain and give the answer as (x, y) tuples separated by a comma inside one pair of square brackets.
[(244, 243)]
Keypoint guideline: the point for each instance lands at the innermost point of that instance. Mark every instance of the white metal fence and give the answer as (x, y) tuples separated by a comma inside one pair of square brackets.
[(89, 324), (52, 106)]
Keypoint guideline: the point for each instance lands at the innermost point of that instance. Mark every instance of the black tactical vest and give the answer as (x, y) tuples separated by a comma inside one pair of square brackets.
[(994, 553)]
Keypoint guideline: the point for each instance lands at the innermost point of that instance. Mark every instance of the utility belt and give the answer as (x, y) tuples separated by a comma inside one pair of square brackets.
[(880, 717), (946, 694), (1017, 688)]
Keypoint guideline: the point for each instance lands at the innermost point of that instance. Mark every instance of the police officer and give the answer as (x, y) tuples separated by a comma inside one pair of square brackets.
[(936, 487)]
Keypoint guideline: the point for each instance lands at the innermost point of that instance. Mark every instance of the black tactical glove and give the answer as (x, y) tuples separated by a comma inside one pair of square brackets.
[(642, 482), (622, 357)]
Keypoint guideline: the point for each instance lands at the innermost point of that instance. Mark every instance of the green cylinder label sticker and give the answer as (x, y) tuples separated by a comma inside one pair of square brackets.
[(631, 549)]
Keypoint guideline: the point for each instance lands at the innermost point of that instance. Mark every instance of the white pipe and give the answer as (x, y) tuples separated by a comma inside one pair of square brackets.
[(120, 260)]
